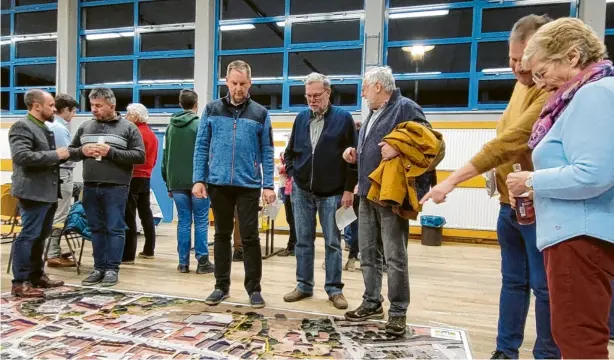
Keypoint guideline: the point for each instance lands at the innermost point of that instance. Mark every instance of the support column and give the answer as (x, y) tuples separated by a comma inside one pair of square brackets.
[(66, 58), (204, 65), (373, 55), (592, 12)]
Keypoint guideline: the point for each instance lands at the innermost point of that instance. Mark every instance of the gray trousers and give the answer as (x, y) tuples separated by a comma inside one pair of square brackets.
[(66, 175), (375, 220)]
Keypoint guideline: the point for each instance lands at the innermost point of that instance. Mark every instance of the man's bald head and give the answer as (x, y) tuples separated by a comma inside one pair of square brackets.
[(40, 104)]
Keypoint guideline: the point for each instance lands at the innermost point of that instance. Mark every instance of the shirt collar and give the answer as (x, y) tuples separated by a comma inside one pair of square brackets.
[(59, 119), (36, 121), (320, 116)]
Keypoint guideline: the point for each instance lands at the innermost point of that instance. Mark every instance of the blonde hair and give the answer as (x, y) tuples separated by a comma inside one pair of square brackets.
[(139, 110), (555, 40), (240, 66)]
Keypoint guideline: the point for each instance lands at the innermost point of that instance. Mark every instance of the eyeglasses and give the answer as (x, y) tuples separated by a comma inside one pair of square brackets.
[(315, 97), (538, 76)]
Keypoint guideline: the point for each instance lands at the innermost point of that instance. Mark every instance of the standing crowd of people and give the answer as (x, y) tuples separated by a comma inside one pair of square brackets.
[(557, 127)]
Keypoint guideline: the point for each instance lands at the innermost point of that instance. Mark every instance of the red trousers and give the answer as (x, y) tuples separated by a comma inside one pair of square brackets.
[(579, 272)]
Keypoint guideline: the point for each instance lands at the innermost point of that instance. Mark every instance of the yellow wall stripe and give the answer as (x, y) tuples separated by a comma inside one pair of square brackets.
[(6, 124), (279, 143), (6, 165)]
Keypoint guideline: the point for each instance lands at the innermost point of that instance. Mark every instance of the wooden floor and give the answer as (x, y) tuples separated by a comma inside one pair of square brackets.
[(456, 285)]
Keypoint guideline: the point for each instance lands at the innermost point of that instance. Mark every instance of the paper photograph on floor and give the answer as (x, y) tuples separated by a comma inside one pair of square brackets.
[(91, 323)]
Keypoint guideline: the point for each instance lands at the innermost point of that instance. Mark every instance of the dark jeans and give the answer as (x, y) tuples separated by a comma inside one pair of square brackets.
[(138, 200), (290, 221), (522, 269), (37, 223), (354, 231), (104, 206), (580, 271), (223, 202)]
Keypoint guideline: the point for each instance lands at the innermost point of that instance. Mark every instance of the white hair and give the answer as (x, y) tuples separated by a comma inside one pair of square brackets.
[(140, 110), (382, 75), (315, 77)]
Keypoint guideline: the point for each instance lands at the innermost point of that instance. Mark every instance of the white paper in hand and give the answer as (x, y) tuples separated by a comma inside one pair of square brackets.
[(273, 209), (344, 217)]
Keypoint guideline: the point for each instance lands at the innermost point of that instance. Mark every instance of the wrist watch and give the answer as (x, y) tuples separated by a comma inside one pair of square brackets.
[(529, 182)]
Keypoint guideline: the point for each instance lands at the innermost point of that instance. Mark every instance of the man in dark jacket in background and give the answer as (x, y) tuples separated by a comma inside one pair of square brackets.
[(177, 168), (322, 183), (109, 146), (36, 184), (388, 108)]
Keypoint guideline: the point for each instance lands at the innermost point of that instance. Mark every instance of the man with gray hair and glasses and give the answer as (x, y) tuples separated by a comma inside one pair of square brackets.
[(109, 146), (323, 182), (387, 109), (36, 184)]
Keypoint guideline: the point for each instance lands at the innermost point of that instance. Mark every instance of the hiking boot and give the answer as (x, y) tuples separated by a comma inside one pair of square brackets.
[(256, 300), (142, 255), (60, 262), (204, 266), (184, 269), (25, 290), (396, 325), (350, 265), (499, 355), (95, 277), (45, 283), (216, 297), (237, 255), (339, 301), (286, 252), (362, 314), (296, 295), (110, 278)]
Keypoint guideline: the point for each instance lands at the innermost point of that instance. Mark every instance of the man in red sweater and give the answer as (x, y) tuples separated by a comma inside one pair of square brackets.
[(138, 198)]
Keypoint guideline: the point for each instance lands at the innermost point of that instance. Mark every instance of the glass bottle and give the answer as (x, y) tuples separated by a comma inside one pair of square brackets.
[(525, 212)]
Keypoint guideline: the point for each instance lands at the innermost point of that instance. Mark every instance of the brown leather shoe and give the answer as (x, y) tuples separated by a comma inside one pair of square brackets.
[(296, 295), (339, 301), (25, 290), (60, 262), (46, 283)]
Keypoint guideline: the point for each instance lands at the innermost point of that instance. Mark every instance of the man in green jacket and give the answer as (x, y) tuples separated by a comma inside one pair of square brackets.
[(177, 169)]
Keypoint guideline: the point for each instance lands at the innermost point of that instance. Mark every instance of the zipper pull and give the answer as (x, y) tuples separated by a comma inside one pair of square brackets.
[(235, 125)]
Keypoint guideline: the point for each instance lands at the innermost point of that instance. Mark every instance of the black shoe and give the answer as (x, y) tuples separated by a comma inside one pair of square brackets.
[(499, 355), (237, 255), (363, 313), (184, 269), (204, 266), (110, 278), (286, 252), (396, 325), (256, 300), (95, 277), (216, 297)]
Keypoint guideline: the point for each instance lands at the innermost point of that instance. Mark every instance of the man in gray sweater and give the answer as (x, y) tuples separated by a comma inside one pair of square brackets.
[(36, 184), (109, 147)]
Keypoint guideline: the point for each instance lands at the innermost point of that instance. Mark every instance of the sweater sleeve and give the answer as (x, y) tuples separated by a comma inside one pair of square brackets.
[(268, 157), (134, 154), (201, 150), (586, 138), (351, 176), (513, 141)]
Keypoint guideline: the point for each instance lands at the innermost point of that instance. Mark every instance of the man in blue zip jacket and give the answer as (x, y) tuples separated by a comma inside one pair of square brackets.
[(323, 182), (233, 156)]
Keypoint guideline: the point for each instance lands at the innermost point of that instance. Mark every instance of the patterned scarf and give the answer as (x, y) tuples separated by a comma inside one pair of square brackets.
[(563, 96)]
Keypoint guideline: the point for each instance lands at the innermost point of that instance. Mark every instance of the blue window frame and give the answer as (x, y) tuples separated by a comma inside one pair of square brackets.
[(28, 48), (451, 55), (285, 40), (609, 28), (142, 49)]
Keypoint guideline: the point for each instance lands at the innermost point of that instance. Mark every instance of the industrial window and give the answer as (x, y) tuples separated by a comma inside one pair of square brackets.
[(284, 41), (453, 55), (28, 46), (143, 50), (609, 29)]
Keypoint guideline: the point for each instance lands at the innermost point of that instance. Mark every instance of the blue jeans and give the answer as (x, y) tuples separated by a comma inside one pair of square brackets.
[(522, 269), (37, 222), (188, 207), (305, 205), (104, 206)]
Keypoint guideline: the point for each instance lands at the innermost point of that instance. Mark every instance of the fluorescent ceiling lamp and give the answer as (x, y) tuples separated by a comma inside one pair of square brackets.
[(5, 42), (237, 27), (116, 83), (166, 81), (497, 70), (281, 23), (418, 49), (35, 37), (609, 1), (427, 73), (419, 14), (108, 36)]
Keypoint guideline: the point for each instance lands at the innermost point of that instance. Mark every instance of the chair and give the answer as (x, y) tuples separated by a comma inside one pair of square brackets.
[(10, 216)]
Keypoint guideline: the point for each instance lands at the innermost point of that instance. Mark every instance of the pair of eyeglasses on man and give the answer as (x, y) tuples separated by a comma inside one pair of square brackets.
[(315, 97)]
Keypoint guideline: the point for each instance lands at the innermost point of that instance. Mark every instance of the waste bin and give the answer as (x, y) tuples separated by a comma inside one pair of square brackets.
[(432, 230)]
